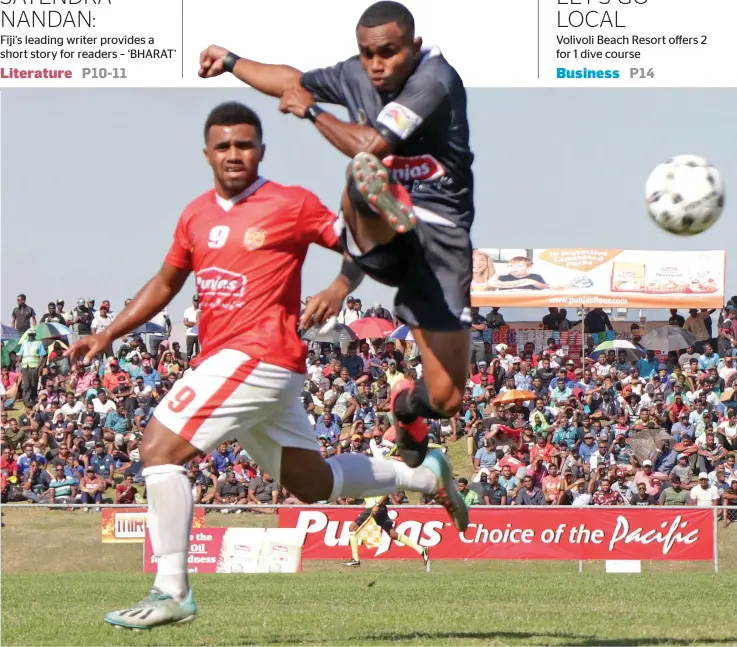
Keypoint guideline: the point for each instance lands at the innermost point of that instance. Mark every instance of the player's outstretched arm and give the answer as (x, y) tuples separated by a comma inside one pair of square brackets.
[(329, 302), (149, 301), (273, 80)]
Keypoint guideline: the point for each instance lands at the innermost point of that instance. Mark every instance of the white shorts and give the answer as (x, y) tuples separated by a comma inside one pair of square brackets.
[(231, 395)]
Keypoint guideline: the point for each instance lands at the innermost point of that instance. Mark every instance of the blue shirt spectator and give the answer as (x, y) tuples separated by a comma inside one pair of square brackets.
[(327, 427), (648, 365)]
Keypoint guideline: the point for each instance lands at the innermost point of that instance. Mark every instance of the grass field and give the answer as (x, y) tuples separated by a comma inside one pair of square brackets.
[(58, 580)]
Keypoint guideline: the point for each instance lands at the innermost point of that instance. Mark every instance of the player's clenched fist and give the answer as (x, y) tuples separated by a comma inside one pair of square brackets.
[(211, 61)]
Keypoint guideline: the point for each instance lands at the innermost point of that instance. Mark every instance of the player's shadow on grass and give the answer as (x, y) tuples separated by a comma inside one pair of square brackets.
[(545, 638)]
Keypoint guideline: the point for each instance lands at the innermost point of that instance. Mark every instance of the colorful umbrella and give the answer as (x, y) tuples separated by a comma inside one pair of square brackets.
[(9, 333), (372, 328), (48, 331), (668, 338), (514, 396), (617, 344), (403, 333), (149, 328)]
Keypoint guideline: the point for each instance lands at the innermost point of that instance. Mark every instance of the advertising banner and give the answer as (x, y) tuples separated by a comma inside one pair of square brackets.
[(593, 278), (519, 533), (239, 550), (128, 525)]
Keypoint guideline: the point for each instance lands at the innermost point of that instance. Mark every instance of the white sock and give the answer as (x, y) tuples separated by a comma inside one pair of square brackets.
[(358, 476), (170, 510)]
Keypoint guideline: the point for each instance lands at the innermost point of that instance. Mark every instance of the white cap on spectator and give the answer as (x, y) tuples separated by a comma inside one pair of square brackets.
[(338, 382), (703, 475), (501, 347), (646, 463)]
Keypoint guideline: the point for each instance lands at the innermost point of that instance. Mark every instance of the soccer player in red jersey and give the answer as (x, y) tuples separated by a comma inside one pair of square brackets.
[(408, 206), (246, 242)]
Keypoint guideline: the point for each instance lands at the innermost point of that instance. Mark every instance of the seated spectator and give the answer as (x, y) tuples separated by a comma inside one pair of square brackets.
[(62, 488), (485, 459), (605, 495), (704, 495), (263, 489), (730, 500), (230, 492), (36, 483), (92, 486), (126, 492), (468, 495), (626, 489), (642, 498), (676, 494), (529, 493), (646, 476)]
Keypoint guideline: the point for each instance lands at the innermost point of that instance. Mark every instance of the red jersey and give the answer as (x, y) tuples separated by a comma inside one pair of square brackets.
[(247, 259)]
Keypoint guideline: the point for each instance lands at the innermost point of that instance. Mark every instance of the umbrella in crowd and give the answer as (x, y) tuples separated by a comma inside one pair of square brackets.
[(149, 328), (48, 331), (514, 396), (631, 352), (9, 333), (667, 338), (403, 333), (337, 335), (372, 328)]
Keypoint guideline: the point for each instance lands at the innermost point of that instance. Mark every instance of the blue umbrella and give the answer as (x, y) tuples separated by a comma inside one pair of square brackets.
[(9, 333), (403, 333), (149, 328)]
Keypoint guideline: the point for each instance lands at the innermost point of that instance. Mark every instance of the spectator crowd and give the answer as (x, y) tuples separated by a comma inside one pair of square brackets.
[(612, 429)]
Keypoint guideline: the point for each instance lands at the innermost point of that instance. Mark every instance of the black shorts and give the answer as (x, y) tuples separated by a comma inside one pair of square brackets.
[(432, 268), (382, 519)]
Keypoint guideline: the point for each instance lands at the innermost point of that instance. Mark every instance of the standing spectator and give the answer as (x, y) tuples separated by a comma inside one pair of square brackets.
[(52, 316), (83, 317), (68, 316), (154, 339), (33, 358), (597, 321), (704, 495), (101, 321), (23, 316), (351, 312), (495, 319), (191, 318), (478, 351), (696, 325), (676, 319)]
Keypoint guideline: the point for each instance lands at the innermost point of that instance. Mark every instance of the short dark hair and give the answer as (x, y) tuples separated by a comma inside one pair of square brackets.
[(21, 296), (385, 12), (233, 113)]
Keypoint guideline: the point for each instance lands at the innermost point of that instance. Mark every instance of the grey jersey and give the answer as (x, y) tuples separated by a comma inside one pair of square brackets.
[(425, 124)]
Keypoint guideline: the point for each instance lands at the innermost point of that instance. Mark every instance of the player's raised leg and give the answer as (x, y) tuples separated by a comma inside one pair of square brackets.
[(285, 445), (415, 260)]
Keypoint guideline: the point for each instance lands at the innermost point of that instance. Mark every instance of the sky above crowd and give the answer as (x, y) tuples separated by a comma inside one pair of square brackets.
[(93, 181)]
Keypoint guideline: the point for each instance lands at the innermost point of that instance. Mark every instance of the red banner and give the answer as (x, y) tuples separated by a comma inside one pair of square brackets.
[(519, 533)]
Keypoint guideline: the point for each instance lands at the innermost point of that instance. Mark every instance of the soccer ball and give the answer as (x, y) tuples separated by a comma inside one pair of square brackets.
[(685, 195)]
